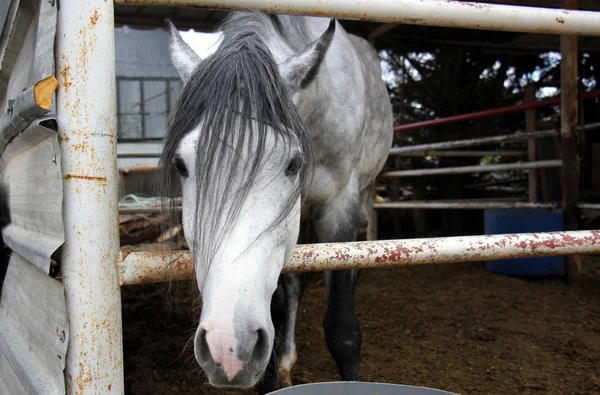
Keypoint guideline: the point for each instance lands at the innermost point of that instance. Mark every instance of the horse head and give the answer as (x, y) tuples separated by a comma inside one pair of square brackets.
[(238, 147)]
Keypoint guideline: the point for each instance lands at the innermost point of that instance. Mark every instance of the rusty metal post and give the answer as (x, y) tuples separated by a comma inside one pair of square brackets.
[(569, 139), (86, 108), (531, 143)]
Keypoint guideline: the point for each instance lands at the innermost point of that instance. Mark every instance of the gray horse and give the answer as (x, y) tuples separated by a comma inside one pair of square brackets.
[(288, 119)]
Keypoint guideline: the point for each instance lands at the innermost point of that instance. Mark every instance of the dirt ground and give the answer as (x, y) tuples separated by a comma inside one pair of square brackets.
[(454, 327)]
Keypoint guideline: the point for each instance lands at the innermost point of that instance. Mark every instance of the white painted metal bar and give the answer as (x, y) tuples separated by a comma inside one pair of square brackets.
[(158, 266), (143, 210), (473, 169), (588, 206), (134, 155), (413, 204), (485, 140), (463, 14), (464, 154), (472, 142), (459, 205), (86, 108)]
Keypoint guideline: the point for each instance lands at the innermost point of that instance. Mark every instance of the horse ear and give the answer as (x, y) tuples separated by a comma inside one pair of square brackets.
[(183, 57), (300, 69)]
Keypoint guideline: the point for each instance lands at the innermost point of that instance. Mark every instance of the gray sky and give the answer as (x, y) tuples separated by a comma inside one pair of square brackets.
[(203, 43)]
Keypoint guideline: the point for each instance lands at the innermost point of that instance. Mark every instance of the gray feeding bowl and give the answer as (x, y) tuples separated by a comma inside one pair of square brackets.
[(358, 388)]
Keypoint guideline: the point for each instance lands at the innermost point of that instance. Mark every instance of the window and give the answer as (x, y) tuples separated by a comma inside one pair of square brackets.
[(143, 106)]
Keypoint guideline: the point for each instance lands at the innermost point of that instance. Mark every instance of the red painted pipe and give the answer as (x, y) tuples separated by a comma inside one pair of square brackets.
[(491, 112)]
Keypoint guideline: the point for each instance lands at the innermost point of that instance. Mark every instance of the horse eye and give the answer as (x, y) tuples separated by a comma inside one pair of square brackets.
[(293, 166), (180, 166)]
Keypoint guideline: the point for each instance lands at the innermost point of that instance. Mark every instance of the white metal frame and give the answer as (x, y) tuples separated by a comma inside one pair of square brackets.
[(465, 14), (86, 116)]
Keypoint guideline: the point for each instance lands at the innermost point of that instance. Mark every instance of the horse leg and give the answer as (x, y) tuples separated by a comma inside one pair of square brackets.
[(342, 329), (284, 312), (293, 284), (337, 223)]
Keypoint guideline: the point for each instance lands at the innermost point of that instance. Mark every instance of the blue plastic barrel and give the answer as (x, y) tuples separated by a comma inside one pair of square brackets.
[(525, 220)]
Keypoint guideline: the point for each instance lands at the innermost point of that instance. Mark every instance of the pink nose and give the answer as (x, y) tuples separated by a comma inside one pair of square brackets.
[(224, 352), (223, 349)]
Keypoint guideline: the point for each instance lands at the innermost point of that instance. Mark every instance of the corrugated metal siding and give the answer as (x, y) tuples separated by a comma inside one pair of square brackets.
[(33, 316), (33, 331), (31, 167)]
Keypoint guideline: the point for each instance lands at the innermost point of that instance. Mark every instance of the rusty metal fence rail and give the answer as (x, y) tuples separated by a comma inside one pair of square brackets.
[(156, 266)]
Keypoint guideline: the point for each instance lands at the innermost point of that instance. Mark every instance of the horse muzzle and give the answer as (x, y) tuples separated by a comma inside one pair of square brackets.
[(233, 354)]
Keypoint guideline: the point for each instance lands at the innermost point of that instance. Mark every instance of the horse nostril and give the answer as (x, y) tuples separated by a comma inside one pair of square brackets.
[(261, 346), (202, 345)]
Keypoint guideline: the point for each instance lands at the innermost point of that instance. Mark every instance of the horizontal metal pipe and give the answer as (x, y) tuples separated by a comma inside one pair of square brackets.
[(496, 183), (124, 155), (589, 206), (543, 164), (458, 205), (456, 14), (139, 170), (485, 140), (142, 210), (491, 112), (464, 154), (414, 204), (159, 266), (473, 142)]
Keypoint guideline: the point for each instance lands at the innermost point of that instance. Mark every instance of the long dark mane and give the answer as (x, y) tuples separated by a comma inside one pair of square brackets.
[(236, 97)]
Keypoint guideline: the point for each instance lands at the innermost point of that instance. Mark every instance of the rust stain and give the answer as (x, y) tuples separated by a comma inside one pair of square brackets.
[(64, 138), (476, 5), (94, 18), (125, 253), (65, 78), (71, 176), (75, 109), (413, 21), (82, 146), (80, 383), (82, 59)]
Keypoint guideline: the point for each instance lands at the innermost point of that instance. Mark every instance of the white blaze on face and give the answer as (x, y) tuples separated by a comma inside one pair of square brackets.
[(240, 281)]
